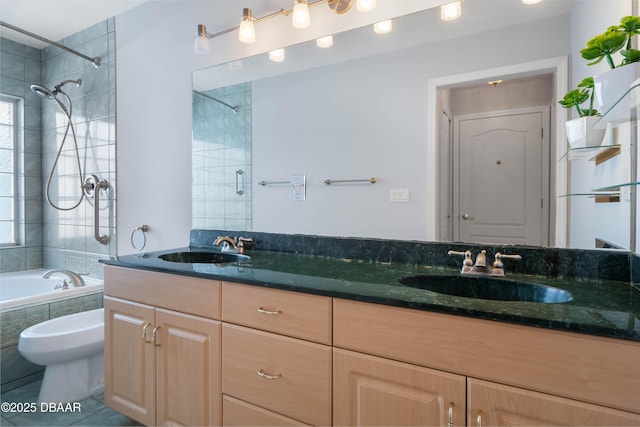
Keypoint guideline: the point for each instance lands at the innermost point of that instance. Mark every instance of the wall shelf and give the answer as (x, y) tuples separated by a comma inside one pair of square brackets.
[(603, 197), (592, 153), (606, 153)]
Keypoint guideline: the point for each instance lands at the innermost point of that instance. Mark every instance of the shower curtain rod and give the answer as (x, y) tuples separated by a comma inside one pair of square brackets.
[(235, 109), (95, 61)]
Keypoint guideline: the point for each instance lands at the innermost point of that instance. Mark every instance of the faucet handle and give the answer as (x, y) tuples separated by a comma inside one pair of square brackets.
[(466, 254), (500, 256), (241, 243)]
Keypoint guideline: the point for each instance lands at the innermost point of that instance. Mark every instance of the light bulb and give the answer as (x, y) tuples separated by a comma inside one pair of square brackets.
[(277, 55), (201, 43), (531, 1), (247, 31), (365, 5), (325, 42), (383, 27), (450, 11), (301, 17)]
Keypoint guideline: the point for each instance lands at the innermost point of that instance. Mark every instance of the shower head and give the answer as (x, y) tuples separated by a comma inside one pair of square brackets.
[(59, 85), (50, 94), (42, 91)]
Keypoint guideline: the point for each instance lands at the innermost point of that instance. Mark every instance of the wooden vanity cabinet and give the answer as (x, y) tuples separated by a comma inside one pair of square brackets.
[(183, 350), (517, 375), (276, 356), (162, 364)]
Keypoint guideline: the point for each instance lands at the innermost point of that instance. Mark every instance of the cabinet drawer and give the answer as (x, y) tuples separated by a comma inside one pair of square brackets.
[(288, 313), (200, 297), (288, 376), (240, 414)]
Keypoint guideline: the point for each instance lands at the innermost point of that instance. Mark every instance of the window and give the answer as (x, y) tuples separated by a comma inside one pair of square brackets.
[(9, 133)]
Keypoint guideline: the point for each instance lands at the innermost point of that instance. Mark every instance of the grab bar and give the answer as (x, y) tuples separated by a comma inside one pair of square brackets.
[(239, 191), (104, 239), (332, 181)]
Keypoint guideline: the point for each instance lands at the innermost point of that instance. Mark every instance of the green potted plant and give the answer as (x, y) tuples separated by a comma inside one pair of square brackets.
[(584, 92), (581, 131), (614, 46)]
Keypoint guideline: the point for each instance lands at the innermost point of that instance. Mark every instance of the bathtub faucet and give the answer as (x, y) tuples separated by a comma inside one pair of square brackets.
[(75, 279)]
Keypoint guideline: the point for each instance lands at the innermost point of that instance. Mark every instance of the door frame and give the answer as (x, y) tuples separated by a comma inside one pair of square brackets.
[(557, 66), (544, 110)]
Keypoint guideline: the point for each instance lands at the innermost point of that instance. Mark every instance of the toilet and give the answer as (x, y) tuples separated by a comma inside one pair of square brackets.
[(72, 350)]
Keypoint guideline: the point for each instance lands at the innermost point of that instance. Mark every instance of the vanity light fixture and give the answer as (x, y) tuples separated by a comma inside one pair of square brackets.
[(495, 83), (301, 18), (451, 11), (247, 31), (201, 42), (383, 27), (324, 42), (528, 2), (277, 55), (365, 5)]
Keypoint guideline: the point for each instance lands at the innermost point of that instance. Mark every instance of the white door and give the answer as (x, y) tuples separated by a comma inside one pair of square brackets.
[(500, 187)]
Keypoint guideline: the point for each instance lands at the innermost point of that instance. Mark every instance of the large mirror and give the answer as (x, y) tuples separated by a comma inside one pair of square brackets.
[(336, 141)]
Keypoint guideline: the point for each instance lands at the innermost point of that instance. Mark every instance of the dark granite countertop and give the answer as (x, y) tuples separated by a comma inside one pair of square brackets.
[(606, 308)]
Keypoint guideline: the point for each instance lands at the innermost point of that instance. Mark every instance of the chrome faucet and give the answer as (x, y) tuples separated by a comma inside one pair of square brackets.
[(74, 278), (236, 244), (480, 267)]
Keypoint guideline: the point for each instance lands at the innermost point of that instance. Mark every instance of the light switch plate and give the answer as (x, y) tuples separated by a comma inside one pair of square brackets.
[(297, 183), (399, 195)]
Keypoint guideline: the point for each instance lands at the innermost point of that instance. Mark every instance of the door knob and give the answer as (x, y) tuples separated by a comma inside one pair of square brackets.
[(466, 217)]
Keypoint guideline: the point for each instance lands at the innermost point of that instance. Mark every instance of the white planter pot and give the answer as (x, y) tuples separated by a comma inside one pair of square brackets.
[(610, 87), (581, 133)]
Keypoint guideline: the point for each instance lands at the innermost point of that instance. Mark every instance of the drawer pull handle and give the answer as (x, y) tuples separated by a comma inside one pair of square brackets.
[(144, 332), (450, 415), (479, 419), (263, 374), (269, 312)]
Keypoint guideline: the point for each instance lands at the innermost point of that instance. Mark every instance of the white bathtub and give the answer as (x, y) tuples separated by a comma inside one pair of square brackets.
[(23, 288)]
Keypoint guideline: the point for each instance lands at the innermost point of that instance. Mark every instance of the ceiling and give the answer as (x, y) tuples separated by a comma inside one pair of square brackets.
[(56, 19)]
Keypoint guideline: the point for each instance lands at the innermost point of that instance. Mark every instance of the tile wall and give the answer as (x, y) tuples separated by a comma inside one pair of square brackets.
[(53, 238), (222, 146)]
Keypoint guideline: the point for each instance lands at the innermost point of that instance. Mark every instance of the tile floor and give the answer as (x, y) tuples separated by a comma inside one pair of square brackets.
[(92, 411)]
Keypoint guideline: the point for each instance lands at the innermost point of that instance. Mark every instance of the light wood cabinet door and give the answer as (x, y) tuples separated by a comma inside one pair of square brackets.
[(492, 404), (187, 369), (288, 376), (242, 414), (129, 360), (372, 391)]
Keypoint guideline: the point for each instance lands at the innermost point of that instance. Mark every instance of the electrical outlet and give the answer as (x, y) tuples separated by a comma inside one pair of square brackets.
[(297, 184), (399, 195)]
